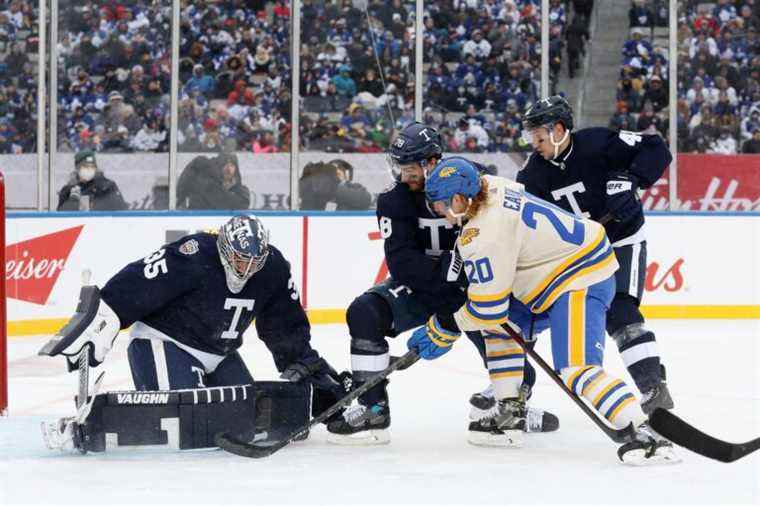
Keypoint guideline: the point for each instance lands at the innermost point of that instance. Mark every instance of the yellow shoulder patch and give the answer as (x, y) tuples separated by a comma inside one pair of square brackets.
[(446, 171), (468, 235)]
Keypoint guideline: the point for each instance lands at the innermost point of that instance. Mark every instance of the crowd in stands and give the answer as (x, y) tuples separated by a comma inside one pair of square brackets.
[(18, 76), (718, 105), (357, 72)]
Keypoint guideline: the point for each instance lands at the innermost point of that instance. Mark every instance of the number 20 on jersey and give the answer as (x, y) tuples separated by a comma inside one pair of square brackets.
[(479, 270)]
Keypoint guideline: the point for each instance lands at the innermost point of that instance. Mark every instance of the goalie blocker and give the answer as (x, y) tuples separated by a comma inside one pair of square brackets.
[(186, 419)]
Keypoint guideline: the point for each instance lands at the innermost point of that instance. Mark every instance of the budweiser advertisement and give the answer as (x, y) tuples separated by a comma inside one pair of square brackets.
[(710, 183), (32, 266)]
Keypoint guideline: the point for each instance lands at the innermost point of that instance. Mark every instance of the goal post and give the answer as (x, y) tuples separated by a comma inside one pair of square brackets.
[(3, 323)]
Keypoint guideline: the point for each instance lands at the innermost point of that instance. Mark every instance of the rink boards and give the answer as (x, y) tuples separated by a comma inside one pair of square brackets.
[(699, 265)]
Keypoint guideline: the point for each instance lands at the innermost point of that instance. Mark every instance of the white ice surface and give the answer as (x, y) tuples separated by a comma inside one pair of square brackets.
[(714, 376)]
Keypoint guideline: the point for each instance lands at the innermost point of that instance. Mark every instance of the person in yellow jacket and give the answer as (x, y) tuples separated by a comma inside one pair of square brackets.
[(539, 267)]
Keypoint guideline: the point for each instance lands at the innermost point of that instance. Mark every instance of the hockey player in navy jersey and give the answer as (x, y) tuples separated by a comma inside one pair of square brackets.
[(596, 173), (424, 281), (188, 305)]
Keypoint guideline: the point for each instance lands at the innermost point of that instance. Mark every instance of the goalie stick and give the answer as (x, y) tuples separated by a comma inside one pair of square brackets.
[(617, 435), (681, 433), (84, 377), (257, 450)]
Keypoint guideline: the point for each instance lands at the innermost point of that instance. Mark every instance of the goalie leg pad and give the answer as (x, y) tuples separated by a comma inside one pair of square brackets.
[(191, 419)]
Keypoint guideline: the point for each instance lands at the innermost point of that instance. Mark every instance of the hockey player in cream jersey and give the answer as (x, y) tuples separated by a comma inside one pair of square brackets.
[(536, 266)]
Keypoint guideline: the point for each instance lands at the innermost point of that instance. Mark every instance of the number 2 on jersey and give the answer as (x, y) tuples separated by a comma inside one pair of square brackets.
[(574, 236)]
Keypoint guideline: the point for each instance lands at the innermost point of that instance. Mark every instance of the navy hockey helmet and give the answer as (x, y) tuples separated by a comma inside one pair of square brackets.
[(548, 112), (451, 176), (243, 245), (416, 143)]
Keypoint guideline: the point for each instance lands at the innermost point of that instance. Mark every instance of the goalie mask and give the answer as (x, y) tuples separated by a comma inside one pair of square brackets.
[(243, 245)]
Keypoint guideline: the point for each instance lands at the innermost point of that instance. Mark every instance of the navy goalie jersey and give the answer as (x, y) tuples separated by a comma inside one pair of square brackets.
[(576, 180), (414, 239), (181, 291)]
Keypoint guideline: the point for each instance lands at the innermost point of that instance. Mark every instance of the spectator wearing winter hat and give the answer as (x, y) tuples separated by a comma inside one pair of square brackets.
[(656, 93), (752, 145), (471, 129), (212, 183), (478, 47), (344, 83), (149, 137), (89, 189), (200, 81)]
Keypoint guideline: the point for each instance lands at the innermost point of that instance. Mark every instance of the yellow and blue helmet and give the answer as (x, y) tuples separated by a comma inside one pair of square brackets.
[(451, 176)]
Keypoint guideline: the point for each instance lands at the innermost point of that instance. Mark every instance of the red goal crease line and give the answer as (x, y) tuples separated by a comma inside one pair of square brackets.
[(21, 328)]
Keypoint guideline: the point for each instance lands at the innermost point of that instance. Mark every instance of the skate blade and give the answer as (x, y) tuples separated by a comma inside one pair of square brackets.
[(662, 457), (507, 439), (365, 438)]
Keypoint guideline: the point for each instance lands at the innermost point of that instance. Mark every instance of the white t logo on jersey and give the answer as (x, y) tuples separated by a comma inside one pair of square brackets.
[(238, 305), (434, 225), (569, 193)]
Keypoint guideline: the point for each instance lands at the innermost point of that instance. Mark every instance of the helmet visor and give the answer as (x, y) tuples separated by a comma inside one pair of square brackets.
[(535, 133)]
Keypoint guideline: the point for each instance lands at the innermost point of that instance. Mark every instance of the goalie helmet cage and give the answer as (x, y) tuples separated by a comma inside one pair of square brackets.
[(3, 326)]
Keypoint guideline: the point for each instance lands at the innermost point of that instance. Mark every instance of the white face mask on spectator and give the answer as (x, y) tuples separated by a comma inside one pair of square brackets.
[(86, 173)]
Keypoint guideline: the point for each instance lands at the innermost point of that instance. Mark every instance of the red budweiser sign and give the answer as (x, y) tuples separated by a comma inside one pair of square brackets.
[(32, 267), (710, 183)]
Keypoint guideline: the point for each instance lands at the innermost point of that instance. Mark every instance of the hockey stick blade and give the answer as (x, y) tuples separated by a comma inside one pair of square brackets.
[(237, 446), (256, 450), (683, 434)]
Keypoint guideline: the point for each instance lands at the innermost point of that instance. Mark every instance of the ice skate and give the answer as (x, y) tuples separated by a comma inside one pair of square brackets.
[(361, 425), (483, 405), (649, 448), (502, 426), (63, 434), (657, 396)]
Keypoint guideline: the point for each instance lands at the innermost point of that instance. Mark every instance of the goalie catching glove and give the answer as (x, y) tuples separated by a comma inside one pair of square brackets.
[(94, 323), (622, 196)]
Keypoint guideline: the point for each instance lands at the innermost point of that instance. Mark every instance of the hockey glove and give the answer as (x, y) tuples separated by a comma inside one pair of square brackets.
[(622, 197), (94, 324), (75, 192), (329, 386), (432, 340)]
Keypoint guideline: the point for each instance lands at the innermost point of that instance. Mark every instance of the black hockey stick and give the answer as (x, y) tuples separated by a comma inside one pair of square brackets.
[(257, 450), (617, 435), (681, 433)]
